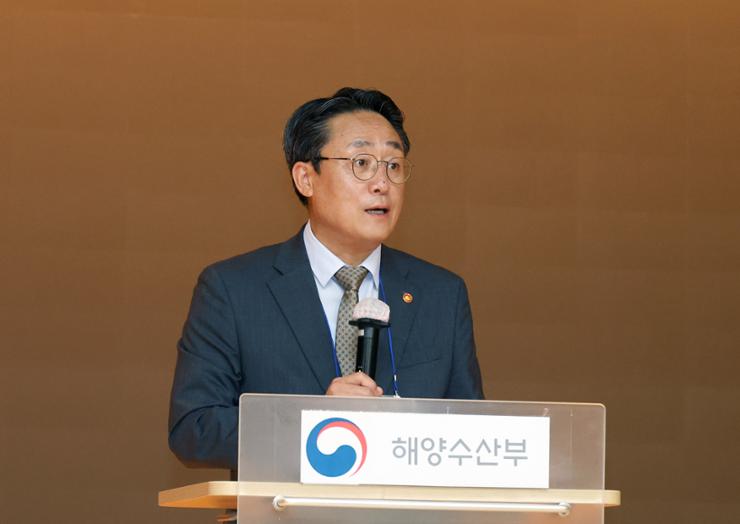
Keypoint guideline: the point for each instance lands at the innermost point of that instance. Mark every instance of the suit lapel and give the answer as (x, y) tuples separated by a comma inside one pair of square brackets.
[(295, 292), (393, 274)]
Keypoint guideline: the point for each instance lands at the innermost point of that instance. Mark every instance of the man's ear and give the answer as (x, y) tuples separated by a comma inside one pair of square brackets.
[(303, 173)]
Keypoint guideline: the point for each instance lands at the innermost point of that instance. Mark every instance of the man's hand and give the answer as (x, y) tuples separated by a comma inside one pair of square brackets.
[(355, 385)]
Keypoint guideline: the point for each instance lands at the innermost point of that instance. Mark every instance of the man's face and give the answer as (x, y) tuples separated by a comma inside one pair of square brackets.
[(350, 216)]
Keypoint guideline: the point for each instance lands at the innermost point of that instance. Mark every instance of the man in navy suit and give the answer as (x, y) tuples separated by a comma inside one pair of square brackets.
[(266, 321)]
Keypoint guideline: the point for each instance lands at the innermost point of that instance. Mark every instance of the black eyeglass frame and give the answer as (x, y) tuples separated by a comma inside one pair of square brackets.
[(377, 165)]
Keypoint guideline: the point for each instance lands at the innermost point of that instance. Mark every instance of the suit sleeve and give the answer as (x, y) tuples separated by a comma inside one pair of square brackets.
[(465, 378), (205, 391)]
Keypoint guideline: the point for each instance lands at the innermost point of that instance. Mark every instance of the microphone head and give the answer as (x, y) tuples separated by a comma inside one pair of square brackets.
[(371, 308)]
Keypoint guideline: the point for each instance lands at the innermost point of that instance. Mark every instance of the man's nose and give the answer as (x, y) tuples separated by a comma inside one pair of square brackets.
[(380, 183)]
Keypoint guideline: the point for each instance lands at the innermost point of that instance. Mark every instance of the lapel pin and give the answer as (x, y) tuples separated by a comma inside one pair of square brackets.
[(408, 298)]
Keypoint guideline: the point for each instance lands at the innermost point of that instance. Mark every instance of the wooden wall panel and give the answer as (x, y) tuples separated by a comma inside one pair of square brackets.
[(577, 163)]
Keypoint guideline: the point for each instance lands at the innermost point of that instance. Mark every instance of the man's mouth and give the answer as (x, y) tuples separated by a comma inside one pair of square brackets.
[(377, 210)]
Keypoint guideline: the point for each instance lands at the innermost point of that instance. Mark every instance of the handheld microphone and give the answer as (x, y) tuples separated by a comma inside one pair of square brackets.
[(370, 315)]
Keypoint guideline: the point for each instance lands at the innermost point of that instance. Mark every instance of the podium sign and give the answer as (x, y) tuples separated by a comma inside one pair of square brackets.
[(271, 441), (424, 449)]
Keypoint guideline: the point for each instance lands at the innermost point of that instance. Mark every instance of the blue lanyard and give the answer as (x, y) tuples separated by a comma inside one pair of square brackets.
[(338, 371), (390, 344)]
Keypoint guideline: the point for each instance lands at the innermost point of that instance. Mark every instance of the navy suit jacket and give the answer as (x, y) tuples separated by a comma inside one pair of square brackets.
[(256, 325)]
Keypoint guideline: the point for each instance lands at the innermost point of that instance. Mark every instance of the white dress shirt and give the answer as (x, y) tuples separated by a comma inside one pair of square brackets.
[(325, 264)]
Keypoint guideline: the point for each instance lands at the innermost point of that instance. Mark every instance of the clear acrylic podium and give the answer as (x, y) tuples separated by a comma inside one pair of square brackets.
[(269, 488)]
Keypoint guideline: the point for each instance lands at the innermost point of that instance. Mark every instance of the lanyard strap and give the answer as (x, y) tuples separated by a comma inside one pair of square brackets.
[(390, 345)]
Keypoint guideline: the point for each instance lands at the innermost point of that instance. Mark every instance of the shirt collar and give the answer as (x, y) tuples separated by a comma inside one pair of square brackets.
[(325, 264)]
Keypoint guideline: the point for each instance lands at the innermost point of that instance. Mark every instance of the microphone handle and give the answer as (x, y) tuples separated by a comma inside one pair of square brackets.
[(367, 351)]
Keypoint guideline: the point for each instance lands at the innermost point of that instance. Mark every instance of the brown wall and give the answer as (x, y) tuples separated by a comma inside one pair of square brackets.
[(577, 164)]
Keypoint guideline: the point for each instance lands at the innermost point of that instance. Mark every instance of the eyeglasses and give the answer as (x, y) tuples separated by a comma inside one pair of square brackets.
[(365, 165)]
